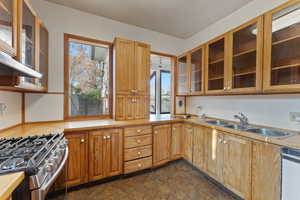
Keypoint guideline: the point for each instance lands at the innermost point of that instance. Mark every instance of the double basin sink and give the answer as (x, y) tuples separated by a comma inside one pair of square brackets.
[(251, 129)]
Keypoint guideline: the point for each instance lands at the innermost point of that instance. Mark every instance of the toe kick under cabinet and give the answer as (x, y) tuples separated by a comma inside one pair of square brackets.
[(137, 148)]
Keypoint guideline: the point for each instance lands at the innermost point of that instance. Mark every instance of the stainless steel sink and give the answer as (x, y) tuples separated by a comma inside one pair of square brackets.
[(269, 132), (217, 122), (251, 129)]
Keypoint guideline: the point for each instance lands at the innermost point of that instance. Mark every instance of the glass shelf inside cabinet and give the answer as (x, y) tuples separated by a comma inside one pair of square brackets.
[(6, 18), (244, 57), (181, 73), (196, 70), (285, 59), (216, 65)]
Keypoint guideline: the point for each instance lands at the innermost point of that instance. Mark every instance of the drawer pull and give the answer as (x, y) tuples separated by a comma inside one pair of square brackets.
[(155, 132), (139, 153), (139, 141), (139, 130), (139, 165), (82, 140)]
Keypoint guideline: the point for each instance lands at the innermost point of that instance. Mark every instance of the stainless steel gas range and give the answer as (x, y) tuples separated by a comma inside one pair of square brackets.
[(42, 158)]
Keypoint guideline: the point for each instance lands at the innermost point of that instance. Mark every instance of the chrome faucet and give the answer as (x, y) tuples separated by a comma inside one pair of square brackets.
[(243, 119)]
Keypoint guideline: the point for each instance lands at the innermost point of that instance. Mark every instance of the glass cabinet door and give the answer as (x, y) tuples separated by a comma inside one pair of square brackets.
[(182, 75), (43, 55), (28, 37), (282, 48), (8, 25), (196, 73), (245, 60), (216, 65)]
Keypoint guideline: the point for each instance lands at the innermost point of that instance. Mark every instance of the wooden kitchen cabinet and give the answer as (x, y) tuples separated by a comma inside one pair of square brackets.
[(245, 45), (237, 165), (8, 28), (199, 147), (216, 64), (188, 139), (43, 54), (282, 49), (214, 154), (132, 75), (76, 168), (266, 171), (196, 75), (182, 74), (176, 141), (161, 144), (105, 153)]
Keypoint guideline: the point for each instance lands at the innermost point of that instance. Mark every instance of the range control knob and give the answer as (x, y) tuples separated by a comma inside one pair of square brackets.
[(49, 167)]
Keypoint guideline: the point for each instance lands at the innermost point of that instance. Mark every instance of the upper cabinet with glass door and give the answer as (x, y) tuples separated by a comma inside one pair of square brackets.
[(245, 57), (216, 65), (182, 75), (197, 71), (43, 55), (282, 49), (8, 26)]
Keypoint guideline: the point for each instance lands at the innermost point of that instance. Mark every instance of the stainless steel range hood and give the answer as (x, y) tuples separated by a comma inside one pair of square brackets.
[(9, 66)]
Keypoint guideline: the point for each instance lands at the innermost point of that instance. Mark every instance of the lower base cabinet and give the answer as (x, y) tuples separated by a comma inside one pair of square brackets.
[(76, 168), (105, 153), (188, 138), (161, 144), (266, 171), (199, 147), (176, 141)]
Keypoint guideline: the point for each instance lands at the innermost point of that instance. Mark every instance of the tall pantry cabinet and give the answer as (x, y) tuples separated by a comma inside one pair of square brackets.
[(131, 79)]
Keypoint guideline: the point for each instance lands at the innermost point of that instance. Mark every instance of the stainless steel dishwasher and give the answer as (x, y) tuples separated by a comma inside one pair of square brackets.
[(290, 185)]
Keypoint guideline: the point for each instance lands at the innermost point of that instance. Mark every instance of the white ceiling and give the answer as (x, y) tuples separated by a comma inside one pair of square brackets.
[(179, 18)]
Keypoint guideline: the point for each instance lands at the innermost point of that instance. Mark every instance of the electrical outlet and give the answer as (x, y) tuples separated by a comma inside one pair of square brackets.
[(3, 108), (295, 116)]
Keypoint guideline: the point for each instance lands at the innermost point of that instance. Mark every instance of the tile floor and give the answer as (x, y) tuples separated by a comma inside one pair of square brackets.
[(175, 181)]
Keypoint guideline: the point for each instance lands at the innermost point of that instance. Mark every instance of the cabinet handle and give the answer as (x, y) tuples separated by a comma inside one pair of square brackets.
[(139, 153), (134, 91), (220, 140), (224, 142), (138, 141), (108, 137), (139, 130), (139, 165), (155, 132), (82, 140), (104, 137)]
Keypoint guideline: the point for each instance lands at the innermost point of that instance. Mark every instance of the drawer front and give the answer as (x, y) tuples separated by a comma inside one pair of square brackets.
[(139, 152), (138, 130), (136, 165), (137, 141)]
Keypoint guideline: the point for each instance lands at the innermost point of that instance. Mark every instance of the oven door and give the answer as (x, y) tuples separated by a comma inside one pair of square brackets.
[(41, 193)]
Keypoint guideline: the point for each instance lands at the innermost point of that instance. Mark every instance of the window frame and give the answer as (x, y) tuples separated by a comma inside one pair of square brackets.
[(154, 74), (84, 40), (160, 96)]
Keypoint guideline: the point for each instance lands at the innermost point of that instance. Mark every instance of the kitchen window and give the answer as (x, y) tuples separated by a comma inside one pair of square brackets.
[(87, 73)]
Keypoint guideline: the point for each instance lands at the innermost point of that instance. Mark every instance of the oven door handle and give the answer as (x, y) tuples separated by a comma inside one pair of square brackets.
[(40, 194)]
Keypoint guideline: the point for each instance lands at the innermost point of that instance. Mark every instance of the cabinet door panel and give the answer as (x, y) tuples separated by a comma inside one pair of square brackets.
[(142, 62), (130, 107), (120, 108), (237, 165), (266, 171), (142, 108), (197, 71), (216, 64), (124, 66), (182, 75), (214, 154), (96, 156), (161, 144), (246, 57), (116, 153), (199, 147), (176, 150), (8, 28), (282, 47), (76, 169), (188, 143)]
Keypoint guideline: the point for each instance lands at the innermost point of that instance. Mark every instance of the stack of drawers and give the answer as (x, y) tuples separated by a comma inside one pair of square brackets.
[(137, 148)]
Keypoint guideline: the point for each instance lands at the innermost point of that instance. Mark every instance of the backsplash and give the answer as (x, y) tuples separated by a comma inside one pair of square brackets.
[(268, 110), (11, 113)]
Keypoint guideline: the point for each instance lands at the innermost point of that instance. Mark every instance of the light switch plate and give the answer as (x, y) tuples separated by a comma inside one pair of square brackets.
[(295, 116)]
